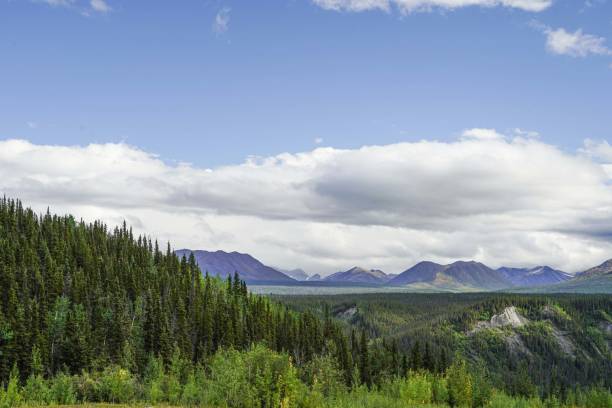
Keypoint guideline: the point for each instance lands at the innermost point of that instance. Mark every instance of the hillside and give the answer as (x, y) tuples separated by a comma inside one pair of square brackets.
[(604, 269), (517, 339), (82, 298), (223, 264), (359, 275), (92, 314)]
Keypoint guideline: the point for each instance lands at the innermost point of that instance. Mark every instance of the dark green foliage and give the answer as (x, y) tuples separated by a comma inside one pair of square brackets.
[(93, 315), (83, 297), (527, 361)]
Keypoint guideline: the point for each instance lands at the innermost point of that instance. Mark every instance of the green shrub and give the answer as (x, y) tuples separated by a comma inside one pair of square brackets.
[(228, 383), (194, 390), (36, 391), (598, 398), (12, 396), (62, 390), (154, 381), (439, 390), (116, 385), (323, 375), (459, 383), (417, 389)]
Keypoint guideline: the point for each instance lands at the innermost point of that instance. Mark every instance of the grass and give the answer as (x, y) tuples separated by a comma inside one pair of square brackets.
[(100, 405)]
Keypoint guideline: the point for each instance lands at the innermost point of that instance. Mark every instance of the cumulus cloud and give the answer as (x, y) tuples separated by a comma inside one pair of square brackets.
[(221, 22), (100, 6), (500, 200), (574, 44), (409, 6)]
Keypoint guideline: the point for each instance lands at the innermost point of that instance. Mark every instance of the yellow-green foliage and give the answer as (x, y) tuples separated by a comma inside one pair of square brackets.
[(417, 389), (459, 383), (257, 378), (501, 400), (11, 397), (264, 378)]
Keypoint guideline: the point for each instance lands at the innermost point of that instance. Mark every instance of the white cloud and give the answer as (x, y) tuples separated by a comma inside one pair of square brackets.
[(318, 140), (498, 200), (481, 134), (526, 133), (32, 125), (221, 23), (574, 44), (58, 3), (85, 7), (408, 6), (100, 6)]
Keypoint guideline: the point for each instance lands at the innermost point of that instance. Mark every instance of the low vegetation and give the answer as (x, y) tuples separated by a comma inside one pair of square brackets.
[(260, 377)]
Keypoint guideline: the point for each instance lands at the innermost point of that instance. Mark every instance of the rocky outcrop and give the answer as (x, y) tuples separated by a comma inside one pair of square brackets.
[(509, 317)]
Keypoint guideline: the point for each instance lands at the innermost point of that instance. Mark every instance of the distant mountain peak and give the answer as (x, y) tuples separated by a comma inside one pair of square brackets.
[(297, 274), (221, 263), (600, 270), (541, 275), (358, 274)]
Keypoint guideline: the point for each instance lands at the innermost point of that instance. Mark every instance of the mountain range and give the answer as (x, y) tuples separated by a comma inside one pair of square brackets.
[(458, 276), (594, 280)]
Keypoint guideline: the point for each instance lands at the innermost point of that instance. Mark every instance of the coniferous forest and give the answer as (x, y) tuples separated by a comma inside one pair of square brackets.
[(90, 313)]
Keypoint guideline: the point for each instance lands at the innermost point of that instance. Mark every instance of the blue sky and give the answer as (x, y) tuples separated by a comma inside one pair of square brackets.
[(385, 132), (158, 75)]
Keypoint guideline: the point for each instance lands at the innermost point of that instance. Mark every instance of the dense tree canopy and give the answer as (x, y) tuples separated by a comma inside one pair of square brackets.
[(82, 297), (92, 314)]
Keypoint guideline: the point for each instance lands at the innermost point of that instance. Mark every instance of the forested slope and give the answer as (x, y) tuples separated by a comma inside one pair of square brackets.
[(89, 313), (562, 340), (83, 297)]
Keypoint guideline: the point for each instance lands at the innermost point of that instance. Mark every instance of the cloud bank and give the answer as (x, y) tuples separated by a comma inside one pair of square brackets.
[(495, 198)]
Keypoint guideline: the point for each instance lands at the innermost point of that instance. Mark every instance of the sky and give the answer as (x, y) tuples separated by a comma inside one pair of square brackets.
[(320, 134)]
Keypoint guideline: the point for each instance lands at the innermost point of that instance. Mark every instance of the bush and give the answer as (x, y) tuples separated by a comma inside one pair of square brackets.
[(154, 381), (228, 383), (323, 375), (598, 398), (272, 376), (62, 390), (256, 378), (194, 390), (11, 397), (417, 389), (439, 390), (116, 385), (36, 391), (459, 383)]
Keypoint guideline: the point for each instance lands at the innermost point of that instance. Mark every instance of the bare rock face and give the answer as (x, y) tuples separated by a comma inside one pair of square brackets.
[(509, 317)]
